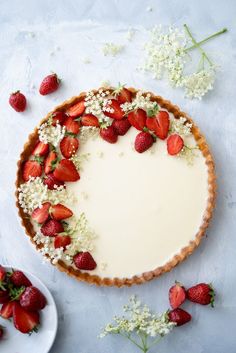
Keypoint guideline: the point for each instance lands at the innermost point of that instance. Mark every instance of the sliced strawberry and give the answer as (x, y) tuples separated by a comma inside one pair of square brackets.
[(89, 120), (114, 110), (175, 143), (61, 241), (18, 278), (32, 169), (25, 321), (71, 125), (143, 142), (177, 295), (60, 212), (84, 261), (179, 316), (159, 124), (108, 134), (2, 273), (41, 214), (52, 182), (50, 162), (58, 117), (124, 96), (138, 119), (7, 310), (76, 110), (51, 228), (66, 171), (121, 126), (69, 145), (33, 299), (41, 149)]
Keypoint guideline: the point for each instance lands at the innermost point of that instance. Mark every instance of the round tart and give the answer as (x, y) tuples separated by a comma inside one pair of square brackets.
[(116, 186)]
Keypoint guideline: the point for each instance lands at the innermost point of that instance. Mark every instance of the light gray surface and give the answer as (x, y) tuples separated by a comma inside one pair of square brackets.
[(25, 60)]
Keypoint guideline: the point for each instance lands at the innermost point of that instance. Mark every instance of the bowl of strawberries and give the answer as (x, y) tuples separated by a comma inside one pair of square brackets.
[(28, 314)]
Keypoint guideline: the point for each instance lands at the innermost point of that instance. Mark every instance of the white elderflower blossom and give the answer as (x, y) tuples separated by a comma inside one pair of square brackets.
[(79, 159), (111, 49), (130, 34), (51, 134), (180, 126), (198, 84), (98, 103), (189, 153), (87, 132), (140, 101)]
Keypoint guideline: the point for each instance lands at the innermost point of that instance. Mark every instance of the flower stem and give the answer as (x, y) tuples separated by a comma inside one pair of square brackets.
[(197, 45), (208, 38)]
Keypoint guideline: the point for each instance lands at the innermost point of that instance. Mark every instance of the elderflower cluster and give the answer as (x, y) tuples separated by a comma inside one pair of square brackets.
[(139, 320), (51, 134), (87, 132), (47, 248), (111, 49), (140, 101), (181, 126), (198, 84), (98, 103), (189, 153), (79, 159)]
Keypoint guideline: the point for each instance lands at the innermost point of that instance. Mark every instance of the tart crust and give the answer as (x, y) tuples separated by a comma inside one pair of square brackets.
[(178, 258)]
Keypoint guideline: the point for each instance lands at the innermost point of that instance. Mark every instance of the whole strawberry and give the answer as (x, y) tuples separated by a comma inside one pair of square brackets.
[(202, 293), (17, 101), (49, 84), (121, 126), (108, 134), (143, 142), (179, 316), (32, 299), (51, 228), (18, 278), (84, 261)]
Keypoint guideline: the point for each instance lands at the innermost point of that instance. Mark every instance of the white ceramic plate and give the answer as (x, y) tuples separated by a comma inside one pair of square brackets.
[(40, 342)]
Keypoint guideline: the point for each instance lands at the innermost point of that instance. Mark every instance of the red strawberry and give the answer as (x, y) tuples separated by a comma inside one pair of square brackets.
[(177, 295), (7, 310), (179, 316), (108, 134), (124, 96), (138, 119), (41, 214), (84, 261), (1, 332), (121, 126), (32, 299), (69, 145), (49, 84), (17, 101), (202, 293), (18, 278), (143, 142), (41, 149), (89, 120), (32, 169), (50, 162), (159, 124), (175, 144), (76, 109), (66, 171), (61, 241), (71, 125), (58, 117), (52, 182), (60, 212), (25, 321), (117, 112), (4, 296), (2, 273), (51, 228)]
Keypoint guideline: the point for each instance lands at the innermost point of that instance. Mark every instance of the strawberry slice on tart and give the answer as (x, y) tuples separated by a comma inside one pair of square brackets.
[(41, 149), (113, 110), (50, 162), (138, 119), (60, 212), (72, 126), (159, 124), (41, 214), (32, 168), (76, 110), (62, 241), (66, 171), (89, 120), (175, 144), (52, 182), (69, 145), (58, 117)]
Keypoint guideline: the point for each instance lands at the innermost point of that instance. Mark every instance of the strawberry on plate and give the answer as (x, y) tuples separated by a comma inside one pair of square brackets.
[(76, 110), (17, 101), (51, 228), (124, 95), (89, 120), (113, 110), (50, 162), (177, 295), (69, 145), (52, 182), (41, 149), (6, 311), (41, 214), (179, 316), (159, 124), (175, 143), (32, 299), (66, 171), (72, 126), (108, 134), (32, 168), (61, 241), (58, 118), (121, 126), (49, 84), (25, 321), (138, 119), (143, 141), (84, 261), (201, 293), (60, 212), (18, 278)]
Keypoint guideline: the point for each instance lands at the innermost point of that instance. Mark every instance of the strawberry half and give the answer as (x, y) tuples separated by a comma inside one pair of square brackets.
[(61, 241), (51, 228), (177, 295), (108, 134), (66, 171), (84, 261), (33, 299), (69, 145), (159, 124), (143, 142), (41, 214), (6, 311), (89, 120), (32, 168), (60, 212), (121, 126), (41, 149), (50, 162), (202, 293), (138, 119), (124, 96), (18, 278), (17, 101), (72, 126), (52, 182), (49, 84), (58, 118), (175, 143), (25, 321), (76, 110), (116, 111), (179, 316)]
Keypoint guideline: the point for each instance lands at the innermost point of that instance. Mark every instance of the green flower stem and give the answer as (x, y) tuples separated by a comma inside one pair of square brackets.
[(204, 55), (133, 341), (208, 38), (154, 342)]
